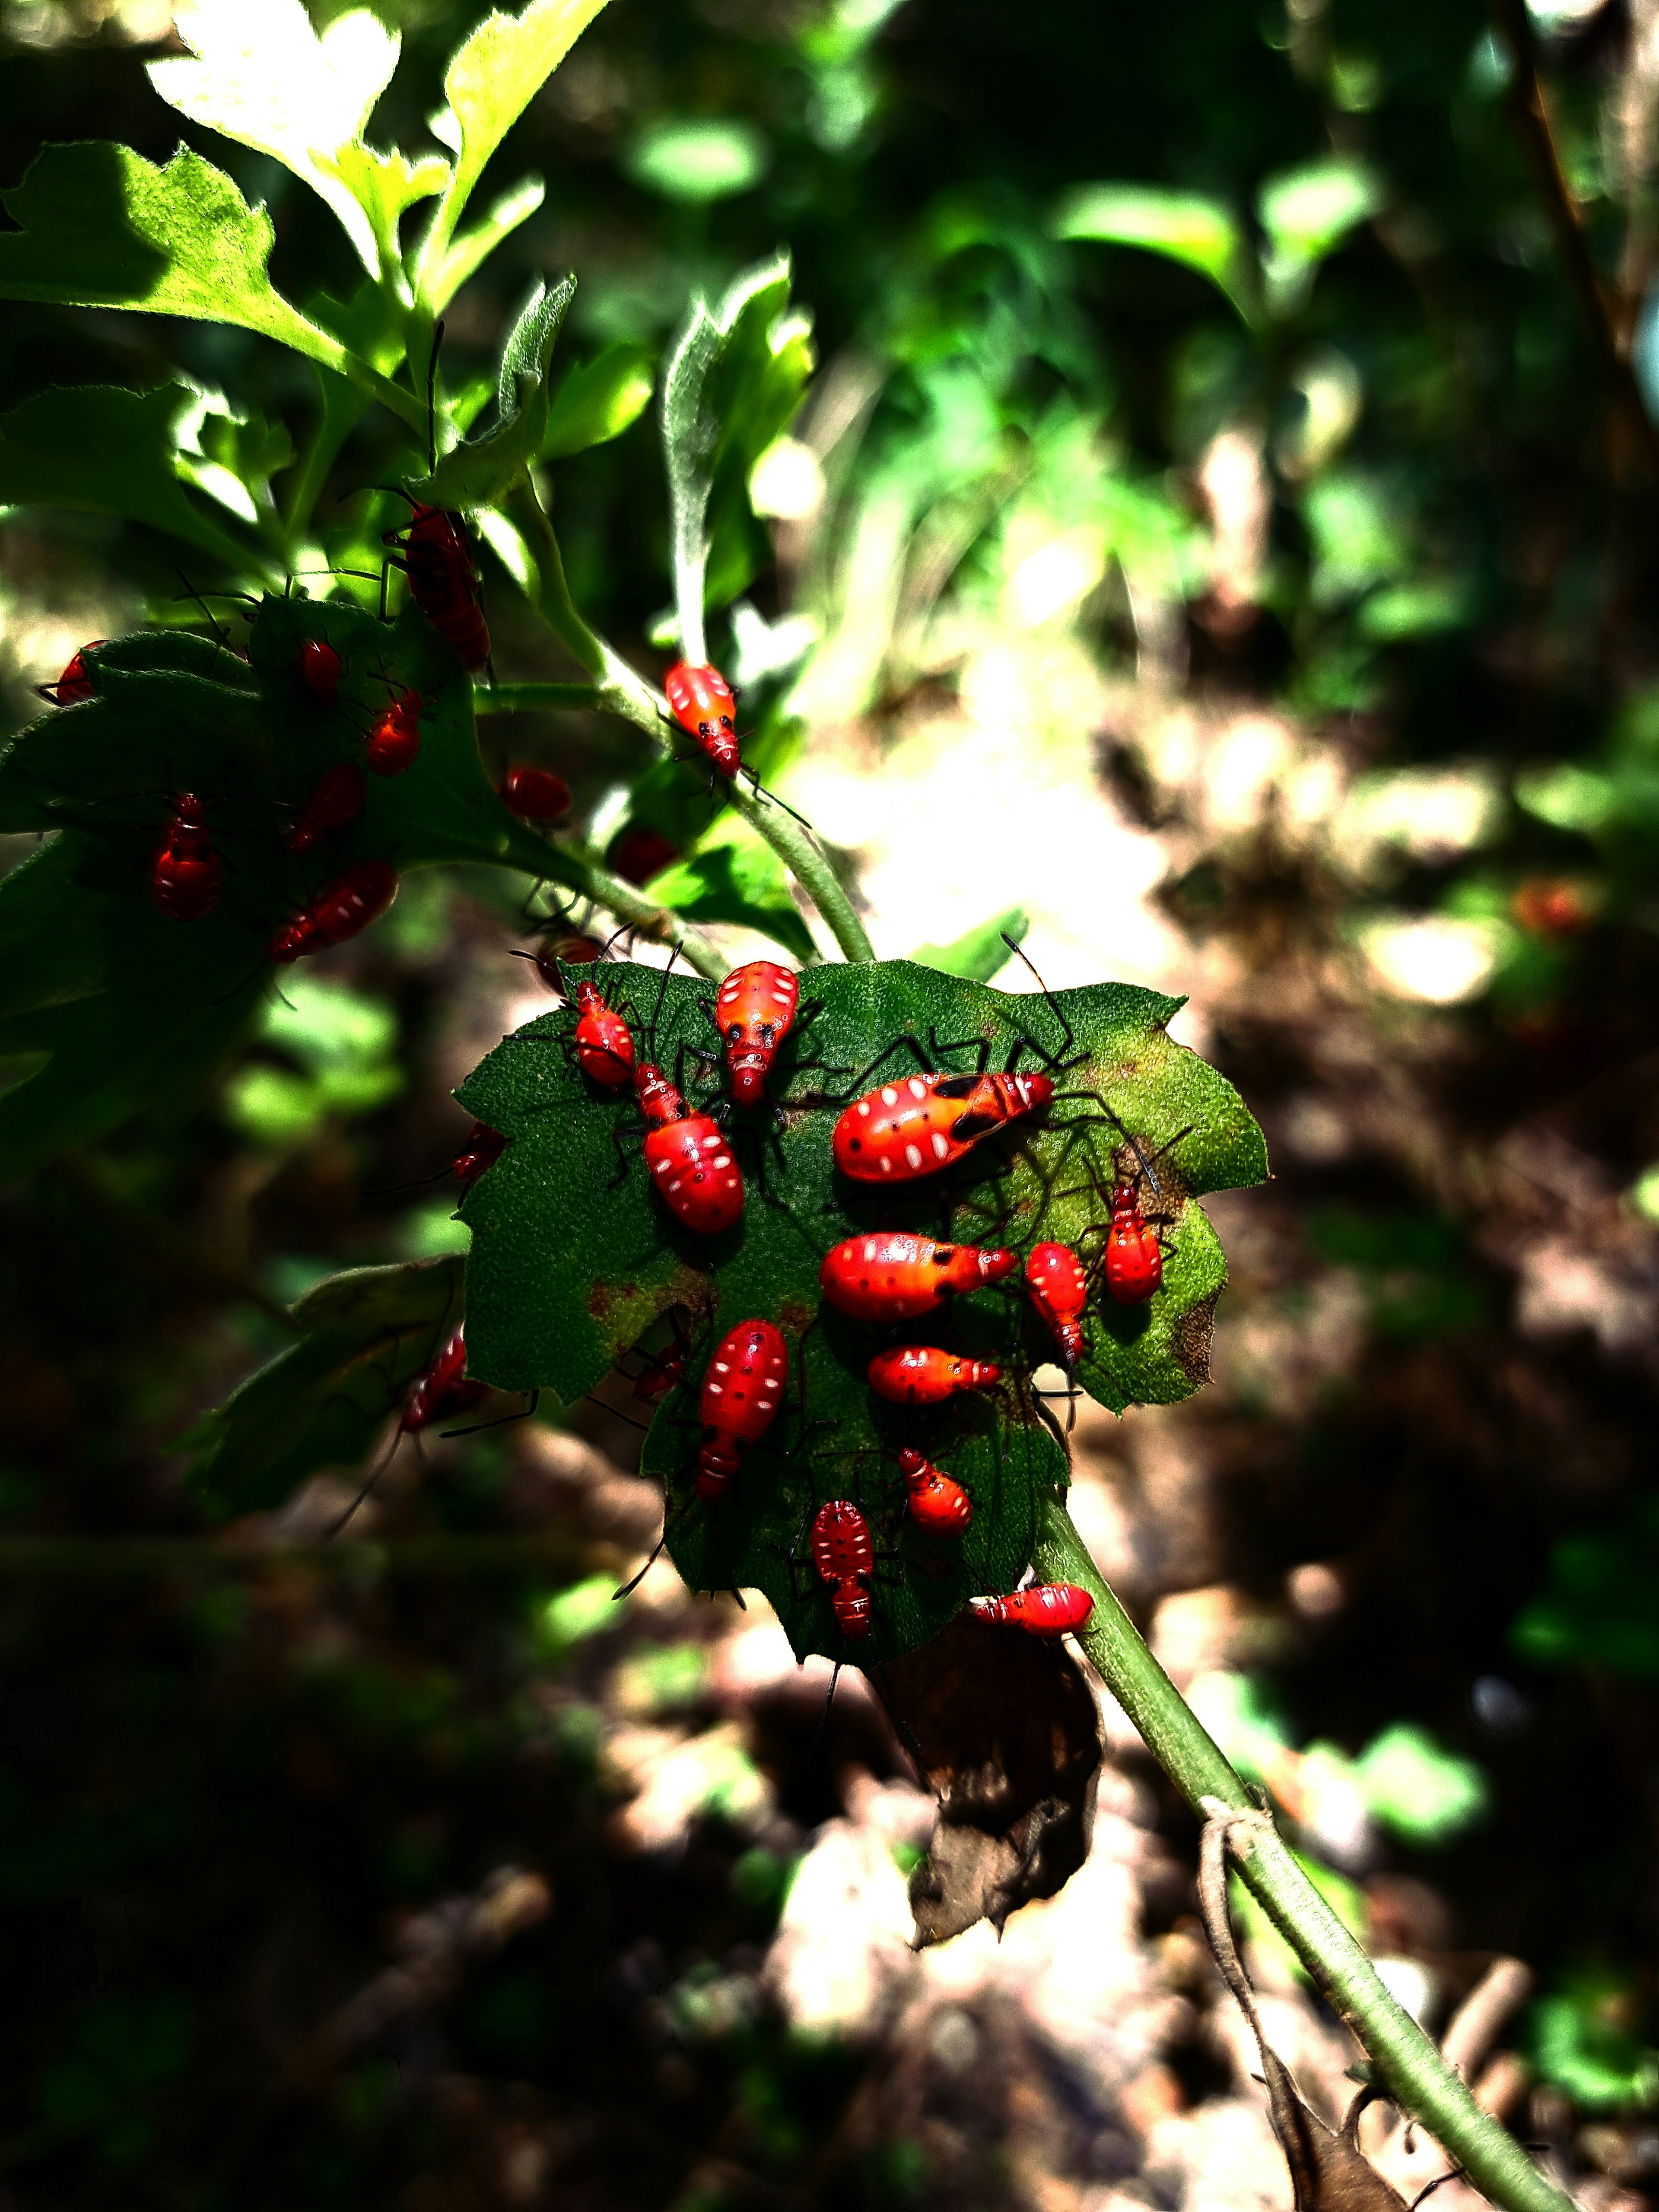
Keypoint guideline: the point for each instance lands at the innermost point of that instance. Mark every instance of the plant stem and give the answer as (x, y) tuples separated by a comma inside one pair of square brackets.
[(1415, 2072), (624, 691), (578, 870), (529, 698)]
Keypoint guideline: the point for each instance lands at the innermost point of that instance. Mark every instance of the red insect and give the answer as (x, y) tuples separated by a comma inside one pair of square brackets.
[(742, 1390), (535, 794), (1059, 1285), (922, 1375), (754, 1010), (703, 707), (432, 550), (1043, 1609), (76, 683), (688, 1158), (481, 1148), (394, 742), (602, 1041), (319, 668), (661, 1371), (184, 877), (893, 1274), (845, 1557), (336, 798), (938, 1503), (445, 1389), (343, 907), (922, 1123), (1132, 1260)]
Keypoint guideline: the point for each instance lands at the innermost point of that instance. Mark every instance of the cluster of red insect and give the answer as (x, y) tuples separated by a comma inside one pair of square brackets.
[(185, 872), (900, 1133)]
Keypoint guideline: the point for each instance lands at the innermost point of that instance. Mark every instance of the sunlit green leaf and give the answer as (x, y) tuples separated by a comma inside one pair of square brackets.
[(734, 876), (980, 955), (491, 79), (598, 401), (1307, 213), (1186, 227), (474, 247)]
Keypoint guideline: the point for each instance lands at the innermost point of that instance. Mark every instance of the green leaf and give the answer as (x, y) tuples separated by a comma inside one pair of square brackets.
[(982, 954), (1200, 233), (474, 247), (699, 159), (365, 1336), (480, 471), (734, 876), (1306, 213), (568, 1267), (263, 77), (491, 79), (112, 453), (598, 402), (733, 378), (100, 226)]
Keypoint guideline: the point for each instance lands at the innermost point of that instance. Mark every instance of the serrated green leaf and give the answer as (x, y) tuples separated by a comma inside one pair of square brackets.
[(1201, 233), (100, 226), (569, 1267), (263, 77), (491, 79), (598, 401), (734, 876), (111, 451), (365, 1336), (481, 470), (385, 186), (981, 954)]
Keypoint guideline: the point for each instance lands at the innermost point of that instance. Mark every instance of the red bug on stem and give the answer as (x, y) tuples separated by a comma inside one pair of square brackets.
[(1042, 1609), (336, 797), (433, 550), (923, 1375), (938, 1501), (345, 906), (844, 1555), (535, 794), (393, 743), (703, 706), (894, 1274), (743, 1388), (184, 876), (76, 683)]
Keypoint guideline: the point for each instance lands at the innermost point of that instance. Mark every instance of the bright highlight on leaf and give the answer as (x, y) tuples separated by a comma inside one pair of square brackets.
[(1184, 227), (699, 161)]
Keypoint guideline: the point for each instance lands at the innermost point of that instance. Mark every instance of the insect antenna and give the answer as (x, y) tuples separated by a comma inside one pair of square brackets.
[(1056, 1059), (191, 592), (380, 1468)]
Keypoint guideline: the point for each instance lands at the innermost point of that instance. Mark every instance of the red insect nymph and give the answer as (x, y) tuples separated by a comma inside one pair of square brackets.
[(75, 684), (432, 550), (938, 1503), (336, 797), (604, 1043), (535, 794), (893, 1274), (1044, 1609), (481, 1148), (1135, 1258), (703, 707), (689, 1157), (394, 742), (922, 1123), (319, 668), (343, 907), (445, 1389), (753, 1011), (1059, 1286), (184, 877), (922, 1375), (742, 1391), (845, 1558)]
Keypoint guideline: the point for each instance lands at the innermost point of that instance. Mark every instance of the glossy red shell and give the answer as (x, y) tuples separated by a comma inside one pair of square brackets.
[(920, 1124), (184, 877), (319, 668), (691, 1167), (1133, 1265), (754, 1009), (893, 1274), (354, 900), (442, 579), (1059, 1287), (1044, 1609), (481, 1148), (845, 1559), (923, 1375), (605, 1043), (394, 741), (743, 1388), (702, 703), (336, 797), (535, 794), (938, 1501), (76, 683), (443, 1389)]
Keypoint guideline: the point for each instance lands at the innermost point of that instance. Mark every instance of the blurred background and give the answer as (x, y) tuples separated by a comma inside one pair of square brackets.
[(1222, 527)]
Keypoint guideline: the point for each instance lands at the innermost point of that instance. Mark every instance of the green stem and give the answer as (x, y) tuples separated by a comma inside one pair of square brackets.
[(578, 869), (624, 691), (1416, 2075), (529, 698)]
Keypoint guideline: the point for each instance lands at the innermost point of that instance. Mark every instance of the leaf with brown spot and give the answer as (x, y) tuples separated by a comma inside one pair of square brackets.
[(1006, 1731)]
